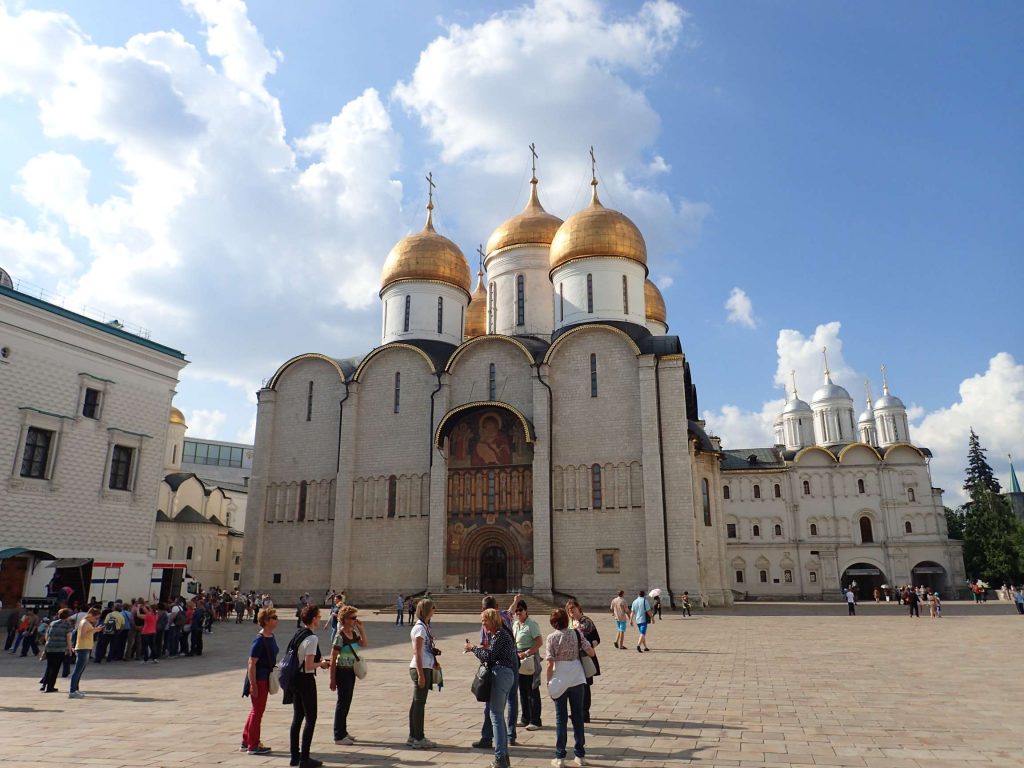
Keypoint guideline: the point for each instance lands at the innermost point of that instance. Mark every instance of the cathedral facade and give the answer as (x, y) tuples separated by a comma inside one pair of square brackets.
[(540, 432)]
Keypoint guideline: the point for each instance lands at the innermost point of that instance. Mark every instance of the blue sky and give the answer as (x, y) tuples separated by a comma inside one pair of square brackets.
[(854, 170)]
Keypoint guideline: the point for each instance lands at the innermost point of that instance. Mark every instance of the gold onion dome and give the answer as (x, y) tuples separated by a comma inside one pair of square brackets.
[(476, 312), (654, 303), (177, 417), (426, 255), (597, 231), (534, 226)]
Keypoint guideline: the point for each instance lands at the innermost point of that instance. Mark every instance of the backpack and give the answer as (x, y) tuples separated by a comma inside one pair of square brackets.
[(179, 618), (288, 669), (110, 625)]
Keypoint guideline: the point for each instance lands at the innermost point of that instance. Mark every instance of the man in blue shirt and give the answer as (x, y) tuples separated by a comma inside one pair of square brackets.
[(639, 612)]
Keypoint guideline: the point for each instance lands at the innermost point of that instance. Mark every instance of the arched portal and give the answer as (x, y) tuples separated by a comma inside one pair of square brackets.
[(489, 452), (864, 578), (930, 575)]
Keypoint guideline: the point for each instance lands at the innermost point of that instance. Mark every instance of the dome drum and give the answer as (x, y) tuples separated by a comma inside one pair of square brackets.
[(416, 309), (592, 290)]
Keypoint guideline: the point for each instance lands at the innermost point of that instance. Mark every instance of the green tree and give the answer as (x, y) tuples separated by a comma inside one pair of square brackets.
[(993, 536), (955, 522)]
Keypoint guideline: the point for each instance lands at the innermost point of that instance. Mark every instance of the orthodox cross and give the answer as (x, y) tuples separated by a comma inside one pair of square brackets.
[(824, 354), (533, 152), (430, 189), (593, 166), (792, 375), (885, 381), (480, 251)]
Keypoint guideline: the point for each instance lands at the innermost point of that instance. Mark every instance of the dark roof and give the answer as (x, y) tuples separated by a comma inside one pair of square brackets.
[(161, 516), (215, 520), (189, 515), (348, 365), (538, 347), (175, 479), (438, 351), (752, 458), (120, 333), (703, 441)]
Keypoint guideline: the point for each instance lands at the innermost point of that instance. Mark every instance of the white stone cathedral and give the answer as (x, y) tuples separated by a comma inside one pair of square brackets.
[(540, 433)]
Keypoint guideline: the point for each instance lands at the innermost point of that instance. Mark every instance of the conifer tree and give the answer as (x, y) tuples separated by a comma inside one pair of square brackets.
[(979, 473)]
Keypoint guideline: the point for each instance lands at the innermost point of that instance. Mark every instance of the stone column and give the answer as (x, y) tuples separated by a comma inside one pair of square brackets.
[(253, 576), (542, 545), (341, 550), (437, 536), (654, 531)]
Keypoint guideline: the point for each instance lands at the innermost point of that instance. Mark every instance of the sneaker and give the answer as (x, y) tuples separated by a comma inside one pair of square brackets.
[(345, 742), (533, 727), (512, 741), (76, 695), (423, 744), (260, 750), (410, 741), (483, 744), (558, 763), (243, 748), (639, 649), (580, 761), (154, 661), (310, 762)]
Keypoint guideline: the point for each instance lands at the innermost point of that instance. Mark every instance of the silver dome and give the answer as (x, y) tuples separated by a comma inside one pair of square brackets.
[(830, 391), (889, 401), (868, 417), (795, 405), (5, 280)]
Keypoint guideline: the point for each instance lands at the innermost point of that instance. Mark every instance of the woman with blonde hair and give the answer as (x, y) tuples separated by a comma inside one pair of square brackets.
[(500, 656), (350, 633), (262, 659), (422, 668)]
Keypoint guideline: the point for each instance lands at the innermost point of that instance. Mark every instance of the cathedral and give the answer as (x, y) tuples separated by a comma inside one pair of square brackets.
[(539, 432)]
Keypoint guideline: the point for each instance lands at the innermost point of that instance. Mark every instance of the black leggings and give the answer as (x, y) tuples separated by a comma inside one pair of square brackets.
[(346, 681), (303, 708), (529, 700)]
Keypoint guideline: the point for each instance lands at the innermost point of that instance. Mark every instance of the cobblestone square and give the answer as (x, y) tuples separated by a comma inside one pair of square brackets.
[(752, 686)]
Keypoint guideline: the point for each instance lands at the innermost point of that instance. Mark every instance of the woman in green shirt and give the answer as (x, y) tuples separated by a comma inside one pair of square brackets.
[(528, 643), (351, 633)]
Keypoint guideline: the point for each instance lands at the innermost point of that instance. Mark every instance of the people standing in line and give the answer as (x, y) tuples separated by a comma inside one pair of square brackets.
[(262, 661), (85, 633), (562, 649), (487, 729), (914, 603), (421, 670), (57, 648), (349, 634), (400, 611), (640, 614), (851, 602), (620, 610), (303, 690), (240, 605), (148, 634), (163, 621), (529, 641), (199, 613), (28, 639), (577, 620), (501, 656)]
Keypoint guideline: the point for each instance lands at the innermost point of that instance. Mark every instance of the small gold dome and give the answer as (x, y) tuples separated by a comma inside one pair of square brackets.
[(476, 312), (426, 256), (177, 417), (597, 231), (654, 303), (534, 226)]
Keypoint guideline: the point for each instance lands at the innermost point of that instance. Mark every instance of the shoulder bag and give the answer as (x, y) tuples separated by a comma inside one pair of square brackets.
[(482, 682), (589, 668), (359, 668), (273, 686)]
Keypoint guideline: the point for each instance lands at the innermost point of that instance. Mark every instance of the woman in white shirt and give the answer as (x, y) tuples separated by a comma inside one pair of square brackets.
[(566, 684), (303, 688), (421, 670)]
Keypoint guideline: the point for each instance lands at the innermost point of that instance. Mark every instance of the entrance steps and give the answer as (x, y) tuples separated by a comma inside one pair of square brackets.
[(469, 602)]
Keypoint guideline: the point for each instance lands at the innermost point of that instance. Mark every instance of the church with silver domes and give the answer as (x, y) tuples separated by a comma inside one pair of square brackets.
[(539, 432)]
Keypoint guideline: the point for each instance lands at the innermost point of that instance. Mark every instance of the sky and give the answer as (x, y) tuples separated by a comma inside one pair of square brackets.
[(231, 177)]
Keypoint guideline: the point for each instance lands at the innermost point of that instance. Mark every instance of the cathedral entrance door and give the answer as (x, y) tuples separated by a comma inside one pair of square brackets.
[(494, 571)]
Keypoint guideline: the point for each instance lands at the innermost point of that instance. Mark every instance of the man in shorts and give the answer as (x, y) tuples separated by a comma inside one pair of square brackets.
[(639, 612), (620, 610)]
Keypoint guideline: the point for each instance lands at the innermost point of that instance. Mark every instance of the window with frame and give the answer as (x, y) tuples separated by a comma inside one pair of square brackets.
[(593, 375), (303, 496), (91, 403), (726, 492), (787, 576), (860, 485), (520, 300), (705, 492), (392, 495), (778, 491), (121, 468), (35, 459), (398, 391), (730, 530), (170, 553), (867, 535), (491, 491), (188, 553), (910, 495), (625, 295), (907, 527), (739, 577), (778, 529), (211, 454), (755, 531), (763, 576), (814, 529), (309, 403), (492, 307), (561, 301), (440, 314), (757, 491), (216, 556), (590, 294), (607, 561), (407, 314), (276, 578), (595, 485), (812, 576), (807, 488), (492, 382)]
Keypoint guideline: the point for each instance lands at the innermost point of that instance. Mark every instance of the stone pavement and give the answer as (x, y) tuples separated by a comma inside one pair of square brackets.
[(757, 685)]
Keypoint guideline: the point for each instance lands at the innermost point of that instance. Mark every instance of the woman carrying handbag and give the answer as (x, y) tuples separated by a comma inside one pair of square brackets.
[(588, 629), (345, 664), (258, 674), (567, 681), (501, 661)]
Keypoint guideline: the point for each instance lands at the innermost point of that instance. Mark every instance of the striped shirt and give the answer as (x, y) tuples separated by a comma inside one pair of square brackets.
[(57, 637)]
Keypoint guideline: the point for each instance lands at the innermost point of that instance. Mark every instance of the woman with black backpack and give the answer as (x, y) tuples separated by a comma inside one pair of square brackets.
[(305, 646)]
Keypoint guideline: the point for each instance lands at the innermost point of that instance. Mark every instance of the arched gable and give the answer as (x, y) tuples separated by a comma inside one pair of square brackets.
[(446, 423), (861, 453), (388, 347), (904, 453), (489, 338), (814, 456), (272, 384), (596, 327)]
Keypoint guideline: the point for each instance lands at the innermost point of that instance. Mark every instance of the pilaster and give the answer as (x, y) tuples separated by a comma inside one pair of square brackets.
[(654, 532), (542, 549), (348, 434), (437, 535), (256, 507)]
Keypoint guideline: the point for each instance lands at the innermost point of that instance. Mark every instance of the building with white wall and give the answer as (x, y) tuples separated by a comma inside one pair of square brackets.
[(83, 430)]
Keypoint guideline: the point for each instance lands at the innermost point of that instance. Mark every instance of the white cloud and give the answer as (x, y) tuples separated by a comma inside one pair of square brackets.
[(741, 309), (28, 254), (206, 423), (993, 404)]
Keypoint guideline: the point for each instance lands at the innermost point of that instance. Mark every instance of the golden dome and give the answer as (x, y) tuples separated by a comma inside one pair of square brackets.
[(426, 256), (597, 231), (177, 417), (534, 226), (476, 312), (654, 303)]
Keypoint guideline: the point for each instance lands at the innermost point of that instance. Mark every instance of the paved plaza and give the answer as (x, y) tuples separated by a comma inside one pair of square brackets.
[(757, 685)]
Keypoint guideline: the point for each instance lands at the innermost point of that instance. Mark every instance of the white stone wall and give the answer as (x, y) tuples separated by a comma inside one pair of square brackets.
[(470, 374), (423, 304), (502, 271), (570, 291)]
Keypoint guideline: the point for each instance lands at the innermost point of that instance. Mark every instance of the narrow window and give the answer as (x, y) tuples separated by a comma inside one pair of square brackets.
[(303, 495), (398, 391), (440, 314), (739, 577), (462, 321), (787, 576), (778, 491), (37, 453), (276, 578), (408, 310), (170, 553), (590, 294), (705, 492), (392, 495), (174, 454), (309, 403), (91, 404), (385, 318), (216, 556), (756, 531), (490, 491), (730, 530), (814, 529), (520, 300), (907, 527), (763, 576), (812, 576), (561, 301), (120, 467), (757, 491), (867, 536), (807, 488), (860, 486), (595, 484), (188, 553), (492, 308), (778, 529), (492, 383), (593, 375), (625, 295), (726, 492), (910, 494)]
